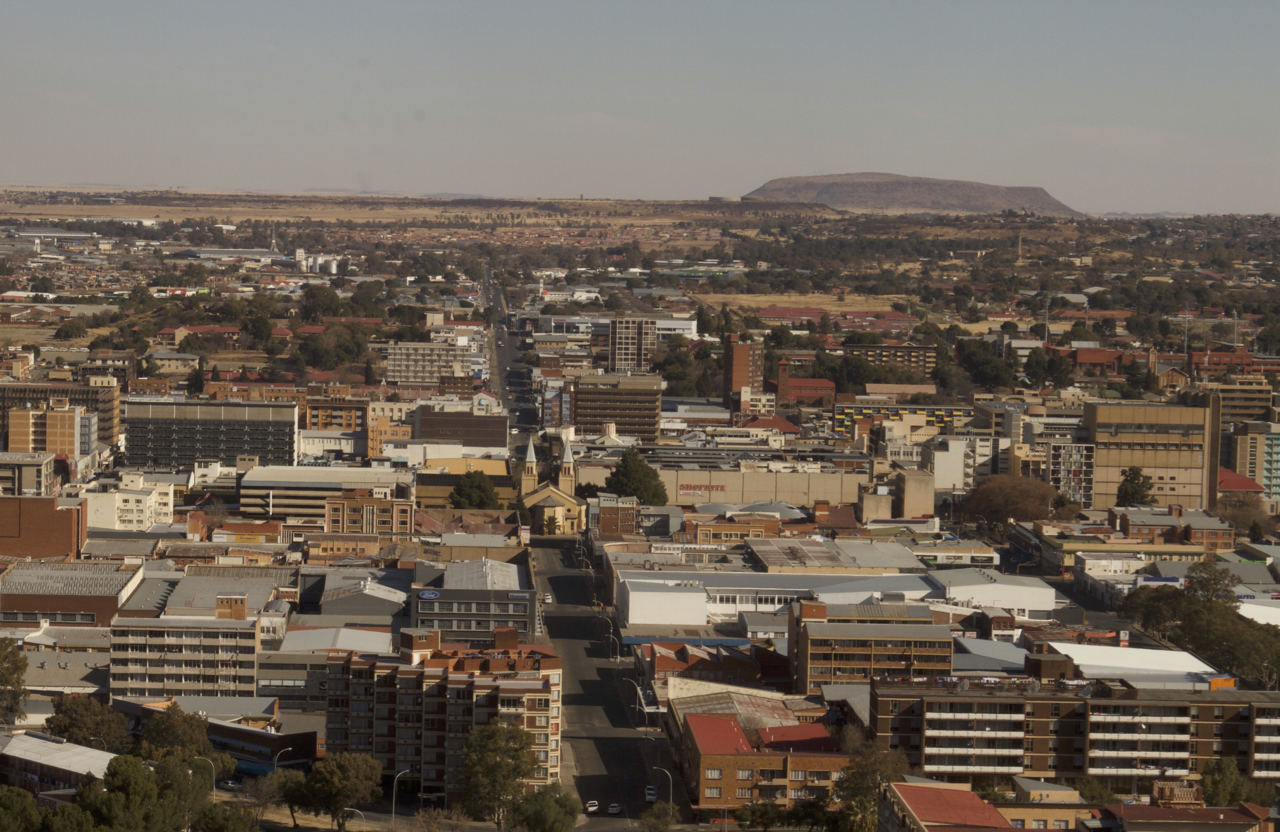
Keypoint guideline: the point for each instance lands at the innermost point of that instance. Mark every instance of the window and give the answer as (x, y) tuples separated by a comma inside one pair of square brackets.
[(1060, 824), (1039, 824), (1017, 823), (797, 794), (797, 775), (744, 774), (744, 794), (712, 791), (714, 774)]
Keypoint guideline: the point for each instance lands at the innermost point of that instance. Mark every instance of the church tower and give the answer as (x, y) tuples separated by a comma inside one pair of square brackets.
[(529, 476), (568, 482)]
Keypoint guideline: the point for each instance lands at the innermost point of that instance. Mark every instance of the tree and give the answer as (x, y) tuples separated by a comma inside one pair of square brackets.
[(1155, 609), (1244, 510), (633, 477), (496, 760), (1210, 582), (660, 817), (83, 719), (289, 787), (474, 490), (549, 809), (1222, 783), (341, 781), (129, 797), (174, 733), (1256, 532), (195, 379), (221, 817), (19, 810), (869, 766), (71, 330), (762, 816), (1003, 496), (369, 376), (1092, 791), (13, 670), (1135, 488), (320, 302), (1036, 367), (193, 345)]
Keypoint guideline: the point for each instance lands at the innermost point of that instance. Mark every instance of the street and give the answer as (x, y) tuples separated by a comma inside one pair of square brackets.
[(612, 759)]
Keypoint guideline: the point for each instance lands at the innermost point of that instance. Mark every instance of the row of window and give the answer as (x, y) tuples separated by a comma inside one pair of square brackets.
[(468, 606), (772, 774)]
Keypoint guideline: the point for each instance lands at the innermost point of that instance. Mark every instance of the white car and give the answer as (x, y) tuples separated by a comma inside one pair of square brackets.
[(615, 808), (547, 599), (650, 794), (592, 807)]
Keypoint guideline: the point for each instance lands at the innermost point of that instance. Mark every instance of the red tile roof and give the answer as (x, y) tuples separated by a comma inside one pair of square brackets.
[(950, 807), (1229, 480), (807, 737), (714, 735)]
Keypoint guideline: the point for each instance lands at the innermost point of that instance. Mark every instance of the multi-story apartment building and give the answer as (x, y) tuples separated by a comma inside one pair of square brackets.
[(1069, 467), (122, 365), (1255, 453), (101, 395), (425, 362), (374, 510), (743, 367), (174, 434), (632, 343), (28, 474), (632, 403), (342, 413), (56, 428), (412, 710), (847, 415), (1127, 737), (1176, 445), (911, 356), (835, 644), (134, 503), (724, 769), (1242, 398), (178, 655)]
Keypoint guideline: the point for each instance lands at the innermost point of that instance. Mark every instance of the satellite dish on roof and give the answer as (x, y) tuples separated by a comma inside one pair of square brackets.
[(1087, 692), (1035, 686), (964, 685)]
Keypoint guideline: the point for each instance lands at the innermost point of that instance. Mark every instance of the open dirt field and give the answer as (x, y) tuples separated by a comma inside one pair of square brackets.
[(848, 303)]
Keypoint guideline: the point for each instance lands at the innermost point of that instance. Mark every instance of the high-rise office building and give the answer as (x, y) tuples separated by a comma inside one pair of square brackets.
[(633, 404), (58, 428), (174, 434), (1175, 445), (743, 367), (632, 342)]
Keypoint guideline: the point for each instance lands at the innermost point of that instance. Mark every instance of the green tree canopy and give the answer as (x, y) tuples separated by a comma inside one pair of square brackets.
[(633, 477), (496, 760), (1092, 791), (1135, 488), (288, 788), (549, 809), (1003, 496), (13, 670), (869, 766), (341, 781), (474, 490), (84, 720)]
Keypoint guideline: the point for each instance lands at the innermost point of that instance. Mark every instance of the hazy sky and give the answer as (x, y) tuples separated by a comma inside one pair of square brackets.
[(1110, 106)]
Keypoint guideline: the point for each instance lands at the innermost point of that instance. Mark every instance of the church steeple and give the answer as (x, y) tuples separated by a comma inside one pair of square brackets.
[(568, 482), (529, 476)]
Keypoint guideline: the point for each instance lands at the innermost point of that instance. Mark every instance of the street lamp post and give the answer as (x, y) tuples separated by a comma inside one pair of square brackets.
[(212, 770), (393, 797), (358, 812), (275, 761), (616, 644), (101, 740), (671, 788), (640, 701)]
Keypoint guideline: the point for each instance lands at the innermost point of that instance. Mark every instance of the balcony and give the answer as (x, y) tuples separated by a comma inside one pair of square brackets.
[(1129, 754), (1151, 720), (1146, 771), (929, 767)]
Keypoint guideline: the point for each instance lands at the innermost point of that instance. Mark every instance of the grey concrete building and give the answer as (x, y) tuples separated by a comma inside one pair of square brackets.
[(465, 601), (174, 434)]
